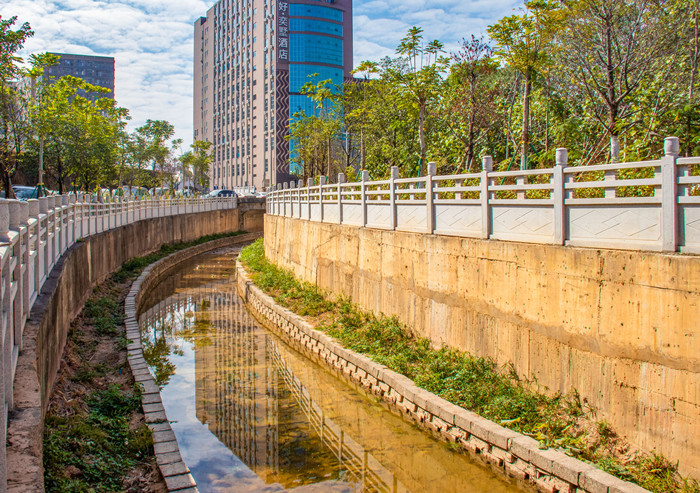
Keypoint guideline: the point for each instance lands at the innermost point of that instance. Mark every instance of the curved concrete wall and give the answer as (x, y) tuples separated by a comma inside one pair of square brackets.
[(82, 267), (618, 326)]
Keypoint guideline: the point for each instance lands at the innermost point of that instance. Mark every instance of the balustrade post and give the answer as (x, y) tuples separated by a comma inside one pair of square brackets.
[(73, 219), (341, 180), (44, 235), (322, 181), (559, 195), (4, 221), (65, 222), (309, 184), (54, 217), (17, 306), (669, 195), (394, 175), (485, 196), (27, 271), (430, 197), (363, 196), (38, 261)]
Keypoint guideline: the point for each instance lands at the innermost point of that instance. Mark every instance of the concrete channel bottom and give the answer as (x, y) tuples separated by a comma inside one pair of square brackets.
[(252, 414)]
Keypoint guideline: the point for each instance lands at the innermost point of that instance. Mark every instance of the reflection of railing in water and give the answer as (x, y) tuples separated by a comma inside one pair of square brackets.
[(360, 463)]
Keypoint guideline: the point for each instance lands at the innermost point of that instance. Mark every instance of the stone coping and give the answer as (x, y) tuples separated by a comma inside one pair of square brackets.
[(514, 454), (174, 470)]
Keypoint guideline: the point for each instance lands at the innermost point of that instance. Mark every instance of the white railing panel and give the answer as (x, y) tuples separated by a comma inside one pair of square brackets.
[(352, 214), (379, 215), (615, 226), (690, 228), (458, 220), (331, 213), (526, 223), (412, 217)]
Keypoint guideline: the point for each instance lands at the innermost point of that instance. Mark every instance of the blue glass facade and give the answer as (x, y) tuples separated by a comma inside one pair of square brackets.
[(312, 48), (301, 10), (317, 26), (308, 51), (299, 75)]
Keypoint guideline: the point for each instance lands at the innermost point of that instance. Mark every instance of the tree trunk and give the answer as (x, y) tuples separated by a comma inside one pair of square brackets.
[(362, 148), (691, 88), (421, 133), (614, 138), (472, 117), (526, 120)]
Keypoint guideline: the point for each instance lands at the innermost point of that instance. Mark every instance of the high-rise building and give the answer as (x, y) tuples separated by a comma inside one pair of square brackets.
[(95, 70), (251, 59)]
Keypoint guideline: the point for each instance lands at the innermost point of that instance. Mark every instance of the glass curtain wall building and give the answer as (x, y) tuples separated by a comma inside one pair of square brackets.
[(251, 59)]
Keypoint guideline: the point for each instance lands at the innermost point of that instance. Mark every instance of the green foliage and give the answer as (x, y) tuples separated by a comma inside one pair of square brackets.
[(541, 82), (477, 384), (104, 314), (133, 267), (98, 444)]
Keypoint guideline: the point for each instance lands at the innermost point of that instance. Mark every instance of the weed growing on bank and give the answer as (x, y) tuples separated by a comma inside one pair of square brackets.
[(477, 384), (95, 436)]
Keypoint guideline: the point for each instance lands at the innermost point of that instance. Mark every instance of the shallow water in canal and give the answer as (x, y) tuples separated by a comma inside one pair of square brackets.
[(251, 414)]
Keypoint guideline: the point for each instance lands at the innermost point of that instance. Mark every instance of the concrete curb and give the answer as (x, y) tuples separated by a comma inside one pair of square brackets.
[(172, 467), (514, 454)]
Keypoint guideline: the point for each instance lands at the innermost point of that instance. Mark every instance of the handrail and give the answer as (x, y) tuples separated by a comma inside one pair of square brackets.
[(641, 205), (33, 237)]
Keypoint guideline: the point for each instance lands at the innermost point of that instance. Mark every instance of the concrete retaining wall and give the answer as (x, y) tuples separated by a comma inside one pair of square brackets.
[(514, 454), (618, 326), (82, 267)]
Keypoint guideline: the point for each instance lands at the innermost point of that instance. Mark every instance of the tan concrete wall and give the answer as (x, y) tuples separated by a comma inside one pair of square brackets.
[(62, 297), (620, 327)]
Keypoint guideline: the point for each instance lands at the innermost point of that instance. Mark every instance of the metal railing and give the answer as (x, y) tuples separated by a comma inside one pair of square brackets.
[(647, 205)]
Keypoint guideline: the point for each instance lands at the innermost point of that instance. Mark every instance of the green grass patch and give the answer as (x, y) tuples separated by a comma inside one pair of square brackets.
[(477, 384), (95, 447), (132, 268), (89, 445)]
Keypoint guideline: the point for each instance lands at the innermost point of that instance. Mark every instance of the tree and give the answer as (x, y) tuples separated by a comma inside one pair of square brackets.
[(201, 159), (609, 49), (468, 95), (421, 76), (12, 118), (522, 41)]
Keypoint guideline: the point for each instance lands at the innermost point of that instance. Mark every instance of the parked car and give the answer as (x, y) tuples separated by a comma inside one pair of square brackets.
[(222, 193), (24, 192)]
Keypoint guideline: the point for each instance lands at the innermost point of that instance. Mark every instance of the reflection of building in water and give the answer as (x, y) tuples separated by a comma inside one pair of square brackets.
[(239, 393), (236, 387)]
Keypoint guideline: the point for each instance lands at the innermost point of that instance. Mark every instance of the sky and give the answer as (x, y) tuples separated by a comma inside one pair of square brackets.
[(151, 40)]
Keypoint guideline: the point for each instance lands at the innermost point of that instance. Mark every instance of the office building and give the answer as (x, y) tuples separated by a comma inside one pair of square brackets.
[(251, 59), (95, 70)]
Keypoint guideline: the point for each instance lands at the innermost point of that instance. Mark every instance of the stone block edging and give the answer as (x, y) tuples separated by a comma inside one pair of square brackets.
[(174, 470), (515, 454)]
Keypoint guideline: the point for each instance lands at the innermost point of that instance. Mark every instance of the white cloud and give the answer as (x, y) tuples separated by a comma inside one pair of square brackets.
[(151, 40)]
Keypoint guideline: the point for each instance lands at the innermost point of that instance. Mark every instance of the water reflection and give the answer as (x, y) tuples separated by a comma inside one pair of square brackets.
[(252, 414)]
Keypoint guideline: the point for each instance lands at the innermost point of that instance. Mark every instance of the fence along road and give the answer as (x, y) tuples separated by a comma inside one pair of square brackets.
[(658, 208), (33, 236)]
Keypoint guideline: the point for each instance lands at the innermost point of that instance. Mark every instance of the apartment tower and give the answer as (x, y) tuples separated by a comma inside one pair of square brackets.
[(251, 59), (95, 70)]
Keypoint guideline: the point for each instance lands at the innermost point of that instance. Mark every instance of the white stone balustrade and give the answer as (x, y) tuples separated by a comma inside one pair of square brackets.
[(33, 236), (648, 205)]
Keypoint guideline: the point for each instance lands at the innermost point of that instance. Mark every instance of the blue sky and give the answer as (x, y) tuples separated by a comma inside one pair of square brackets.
[(152, 40)]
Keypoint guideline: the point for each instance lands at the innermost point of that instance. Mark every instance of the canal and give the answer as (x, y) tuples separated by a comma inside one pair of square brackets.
[(251, 414)]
